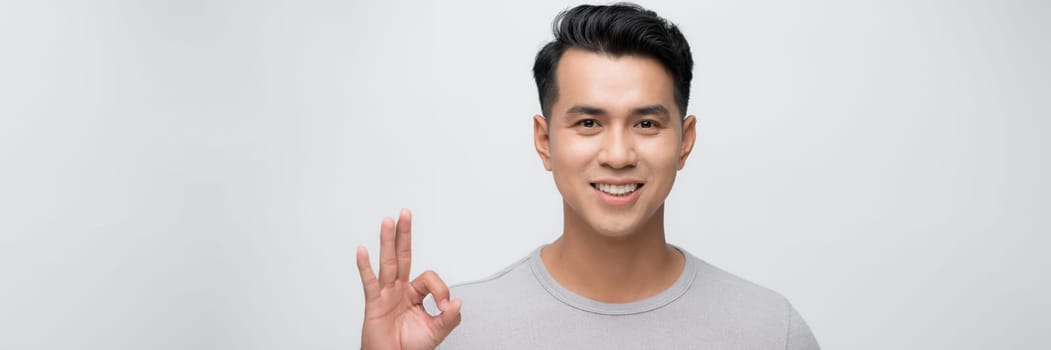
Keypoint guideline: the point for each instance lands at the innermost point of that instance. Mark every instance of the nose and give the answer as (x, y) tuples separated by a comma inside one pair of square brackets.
[(618, 150)]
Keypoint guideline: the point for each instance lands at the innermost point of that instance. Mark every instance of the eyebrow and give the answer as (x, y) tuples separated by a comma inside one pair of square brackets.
[(657, 110), (587, 110)]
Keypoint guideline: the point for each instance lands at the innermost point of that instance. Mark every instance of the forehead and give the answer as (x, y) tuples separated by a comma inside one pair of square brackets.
[(615, 83)]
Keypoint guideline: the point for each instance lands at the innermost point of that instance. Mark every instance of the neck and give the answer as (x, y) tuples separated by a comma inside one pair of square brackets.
[(608, 269)]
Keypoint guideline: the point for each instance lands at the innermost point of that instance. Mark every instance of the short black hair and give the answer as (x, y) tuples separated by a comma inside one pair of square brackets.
[(618, 29)]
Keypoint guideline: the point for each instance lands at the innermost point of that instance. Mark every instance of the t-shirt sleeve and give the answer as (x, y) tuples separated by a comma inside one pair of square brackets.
[(799, 335)]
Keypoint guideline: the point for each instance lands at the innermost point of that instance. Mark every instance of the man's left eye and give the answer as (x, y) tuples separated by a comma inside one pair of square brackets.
[(646, 124)]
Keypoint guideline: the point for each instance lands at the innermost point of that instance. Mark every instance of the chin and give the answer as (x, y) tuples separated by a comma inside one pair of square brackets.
[(609, 222), (614, 228)]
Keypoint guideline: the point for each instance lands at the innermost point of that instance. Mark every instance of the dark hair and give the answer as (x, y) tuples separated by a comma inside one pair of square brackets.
[(618, 29)]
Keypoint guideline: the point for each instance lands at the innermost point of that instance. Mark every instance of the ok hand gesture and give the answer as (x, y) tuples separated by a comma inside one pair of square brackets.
[(394, 313)]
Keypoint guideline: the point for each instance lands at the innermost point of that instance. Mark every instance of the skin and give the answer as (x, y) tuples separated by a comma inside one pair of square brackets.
[(604, 127), (394, 313), (615, 118)]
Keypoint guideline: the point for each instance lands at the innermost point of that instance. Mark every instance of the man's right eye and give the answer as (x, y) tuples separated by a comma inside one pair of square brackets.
[(587, 123)]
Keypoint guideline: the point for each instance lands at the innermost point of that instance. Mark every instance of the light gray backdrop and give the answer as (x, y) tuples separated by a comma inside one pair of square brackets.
[(197, 174)]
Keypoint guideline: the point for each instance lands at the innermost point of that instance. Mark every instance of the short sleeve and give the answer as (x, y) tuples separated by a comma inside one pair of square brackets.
[(799, 335)]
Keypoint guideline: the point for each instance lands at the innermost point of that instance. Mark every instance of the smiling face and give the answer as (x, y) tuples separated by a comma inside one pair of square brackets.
[(613, 142)]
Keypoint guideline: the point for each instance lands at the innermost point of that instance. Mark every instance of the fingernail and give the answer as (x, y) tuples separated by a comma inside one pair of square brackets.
[(445, 304)]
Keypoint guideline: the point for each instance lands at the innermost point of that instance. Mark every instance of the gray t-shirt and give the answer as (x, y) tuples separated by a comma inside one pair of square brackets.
[(523, 307)]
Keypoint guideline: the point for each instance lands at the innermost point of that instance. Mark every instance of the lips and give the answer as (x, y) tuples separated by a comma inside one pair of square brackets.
[(617, 189)]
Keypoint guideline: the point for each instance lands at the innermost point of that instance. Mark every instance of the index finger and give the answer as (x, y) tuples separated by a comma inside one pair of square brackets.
[(404, 244)]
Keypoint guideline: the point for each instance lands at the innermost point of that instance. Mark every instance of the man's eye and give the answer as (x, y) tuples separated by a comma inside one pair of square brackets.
[(646, 124), (587, 123)]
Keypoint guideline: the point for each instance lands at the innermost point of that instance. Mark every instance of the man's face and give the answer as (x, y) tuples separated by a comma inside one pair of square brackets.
[(614, 140)]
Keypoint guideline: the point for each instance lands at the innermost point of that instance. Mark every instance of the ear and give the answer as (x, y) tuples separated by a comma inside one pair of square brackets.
[(689, 136), (542, 140)]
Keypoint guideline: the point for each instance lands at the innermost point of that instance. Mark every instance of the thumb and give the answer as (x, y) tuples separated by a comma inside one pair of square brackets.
[(444, 323)]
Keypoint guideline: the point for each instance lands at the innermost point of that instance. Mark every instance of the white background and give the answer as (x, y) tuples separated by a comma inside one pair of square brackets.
[(197, 174)]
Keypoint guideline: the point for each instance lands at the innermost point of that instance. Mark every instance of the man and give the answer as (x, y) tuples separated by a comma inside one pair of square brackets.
[(613, 89)]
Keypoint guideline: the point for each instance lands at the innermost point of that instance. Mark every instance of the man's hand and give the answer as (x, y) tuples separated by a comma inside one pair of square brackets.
[(394, 314)]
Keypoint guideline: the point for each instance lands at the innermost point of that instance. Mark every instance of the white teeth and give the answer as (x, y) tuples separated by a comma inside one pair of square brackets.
[(617, 190)]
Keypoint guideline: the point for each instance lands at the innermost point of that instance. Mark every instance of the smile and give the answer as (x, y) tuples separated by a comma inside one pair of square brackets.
[(616, 190)]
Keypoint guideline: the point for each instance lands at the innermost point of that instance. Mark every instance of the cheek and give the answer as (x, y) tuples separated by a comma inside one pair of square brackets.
[(662, 155), (572, 154)]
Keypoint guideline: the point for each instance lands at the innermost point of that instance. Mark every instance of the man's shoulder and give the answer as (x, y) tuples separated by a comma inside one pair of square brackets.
[(709, 276), (719, 292), (513, 277), (744, 305)]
